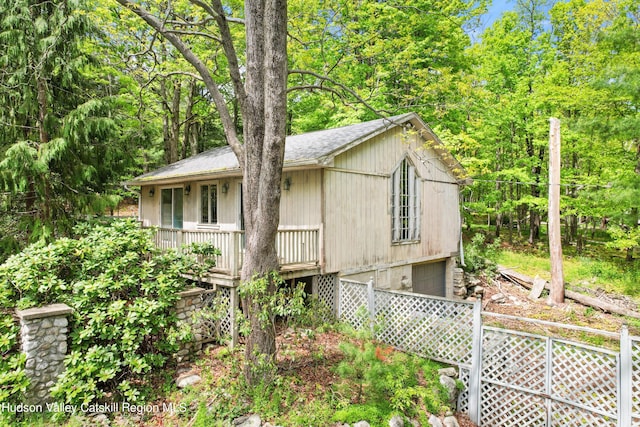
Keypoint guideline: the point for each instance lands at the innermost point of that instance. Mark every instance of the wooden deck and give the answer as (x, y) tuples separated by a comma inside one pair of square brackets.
[(298, 250)]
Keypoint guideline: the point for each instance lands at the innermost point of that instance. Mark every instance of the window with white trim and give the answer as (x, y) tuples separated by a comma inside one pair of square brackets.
[(405, 203), (171, 215), (209, 204)]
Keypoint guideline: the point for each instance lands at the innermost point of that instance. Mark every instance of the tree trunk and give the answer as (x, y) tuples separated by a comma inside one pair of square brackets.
[(264, 134), (189, 141), (262, 101)]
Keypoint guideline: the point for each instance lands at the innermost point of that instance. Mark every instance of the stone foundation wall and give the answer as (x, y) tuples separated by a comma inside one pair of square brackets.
[(466, 286), (44, 342), (189, 304)]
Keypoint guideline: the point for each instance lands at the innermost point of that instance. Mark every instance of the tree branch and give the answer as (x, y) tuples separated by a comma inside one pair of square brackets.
[(201, 68), (195, 33), (339, 85), (230, 53), (214, 13)]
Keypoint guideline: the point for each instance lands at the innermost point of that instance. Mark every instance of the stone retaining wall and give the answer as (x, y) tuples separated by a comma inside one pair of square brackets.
[(189, 304), (44, 332)]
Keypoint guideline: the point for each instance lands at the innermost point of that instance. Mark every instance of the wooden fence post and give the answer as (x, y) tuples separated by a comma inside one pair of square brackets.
[(371, 300), (556, 295), (625, 379), (233, 309), (338, 299), (476, 364)]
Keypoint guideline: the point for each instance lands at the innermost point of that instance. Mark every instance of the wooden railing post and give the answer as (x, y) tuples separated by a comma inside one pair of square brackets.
[(233, 308), (235, 250), (179, 239)]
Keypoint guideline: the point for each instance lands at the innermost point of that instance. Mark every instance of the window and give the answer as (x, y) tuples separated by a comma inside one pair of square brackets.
[(405, 203), (209, 204), (171, 208)]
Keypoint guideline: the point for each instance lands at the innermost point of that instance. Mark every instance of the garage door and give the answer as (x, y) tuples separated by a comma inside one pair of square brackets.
[(429, 279)]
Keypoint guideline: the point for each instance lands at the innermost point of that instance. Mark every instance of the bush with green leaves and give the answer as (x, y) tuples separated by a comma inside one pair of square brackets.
[(122, 291), (479, 253), (13, 381)]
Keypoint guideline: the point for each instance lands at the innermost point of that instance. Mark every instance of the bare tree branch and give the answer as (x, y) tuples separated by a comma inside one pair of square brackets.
[(230, 53)]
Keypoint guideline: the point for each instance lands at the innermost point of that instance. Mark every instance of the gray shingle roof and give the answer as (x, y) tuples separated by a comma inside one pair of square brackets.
[(311, 148)]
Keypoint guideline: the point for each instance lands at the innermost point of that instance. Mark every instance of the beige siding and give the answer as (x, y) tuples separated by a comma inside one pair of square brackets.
[(228, 205), (358, 213), (355, 218), (149, 210), (301, 204)]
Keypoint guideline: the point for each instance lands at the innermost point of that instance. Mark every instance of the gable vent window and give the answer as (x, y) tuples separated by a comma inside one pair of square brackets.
[(405, 203), (209, 204)]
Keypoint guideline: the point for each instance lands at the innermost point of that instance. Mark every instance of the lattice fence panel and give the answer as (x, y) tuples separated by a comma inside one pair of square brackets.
[(563, 415), (327, 291), (506, 407), (585, 375), (514, 359), (436, 328), (635, 381), (353, 303), (463, 397), (215, 316)]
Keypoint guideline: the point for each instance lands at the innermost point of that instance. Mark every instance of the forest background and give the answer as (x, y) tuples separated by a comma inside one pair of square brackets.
[(91, 96)]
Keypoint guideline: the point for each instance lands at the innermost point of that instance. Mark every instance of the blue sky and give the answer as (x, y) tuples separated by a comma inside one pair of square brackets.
[(494, 12), (496, 9)]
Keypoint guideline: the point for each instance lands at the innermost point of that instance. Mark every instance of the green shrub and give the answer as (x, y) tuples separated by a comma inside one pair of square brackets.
[(13, 381), (478, 254), (389, 380), (122, 291), (372, 413)]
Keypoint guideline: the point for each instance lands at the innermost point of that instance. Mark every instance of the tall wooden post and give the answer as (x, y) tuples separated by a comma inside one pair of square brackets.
[(556, 295)]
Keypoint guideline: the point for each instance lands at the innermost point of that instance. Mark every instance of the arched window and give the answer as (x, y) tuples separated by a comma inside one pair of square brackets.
[(405, 203)]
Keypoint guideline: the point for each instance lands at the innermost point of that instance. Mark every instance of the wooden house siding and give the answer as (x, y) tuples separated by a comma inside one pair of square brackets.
[(372, 200), (300, 205), (357, 206)]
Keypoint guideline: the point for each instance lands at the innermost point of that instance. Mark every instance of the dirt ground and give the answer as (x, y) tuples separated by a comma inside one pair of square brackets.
[(504, 297), (299, 354)]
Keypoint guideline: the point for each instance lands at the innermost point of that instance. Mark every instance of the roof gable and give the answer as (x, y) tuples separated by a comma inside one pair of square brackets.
[(309, 149)]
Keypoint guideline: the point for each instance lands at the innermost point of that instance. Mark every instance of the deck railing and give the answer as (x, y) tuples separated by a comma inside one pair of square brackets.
[(294, 246)]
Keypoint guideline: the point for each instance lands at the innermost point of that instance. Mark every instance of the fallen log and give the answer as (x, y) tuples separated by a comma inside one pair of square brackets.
[(527, 282)]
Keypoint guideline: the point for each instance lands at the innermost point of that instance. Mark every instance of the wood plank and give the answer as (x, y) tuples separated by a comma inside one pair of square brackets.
[(527, 282)]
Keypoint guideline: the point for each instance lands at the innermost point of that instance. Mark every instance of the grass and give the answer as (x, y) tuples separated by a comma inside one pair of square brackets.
[(616, 276)]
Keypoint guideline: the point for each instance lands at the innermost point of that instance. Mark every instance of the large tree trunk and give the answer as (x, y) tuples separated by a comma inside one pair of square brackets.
[(264, 134), (262, 101)]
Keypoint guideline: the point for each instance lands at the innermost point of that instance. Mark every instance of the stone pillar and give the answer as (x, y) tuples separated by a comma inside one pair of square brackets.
[(44, 342), (459, 286), (189, 304)]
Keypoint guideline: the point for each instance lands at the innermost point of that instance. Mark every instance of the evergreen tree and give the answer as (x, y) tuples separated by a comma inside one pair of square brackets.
[(59, 148)]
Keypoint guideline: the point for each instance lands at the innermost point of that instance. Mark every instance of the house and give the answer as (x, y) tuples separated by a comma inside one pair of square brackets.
[(376, 200)]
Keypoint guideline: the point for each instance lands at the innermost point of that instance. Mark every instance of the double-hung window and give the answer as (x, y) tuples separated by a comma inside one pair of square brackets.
[(209, 204), (405, 203)]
